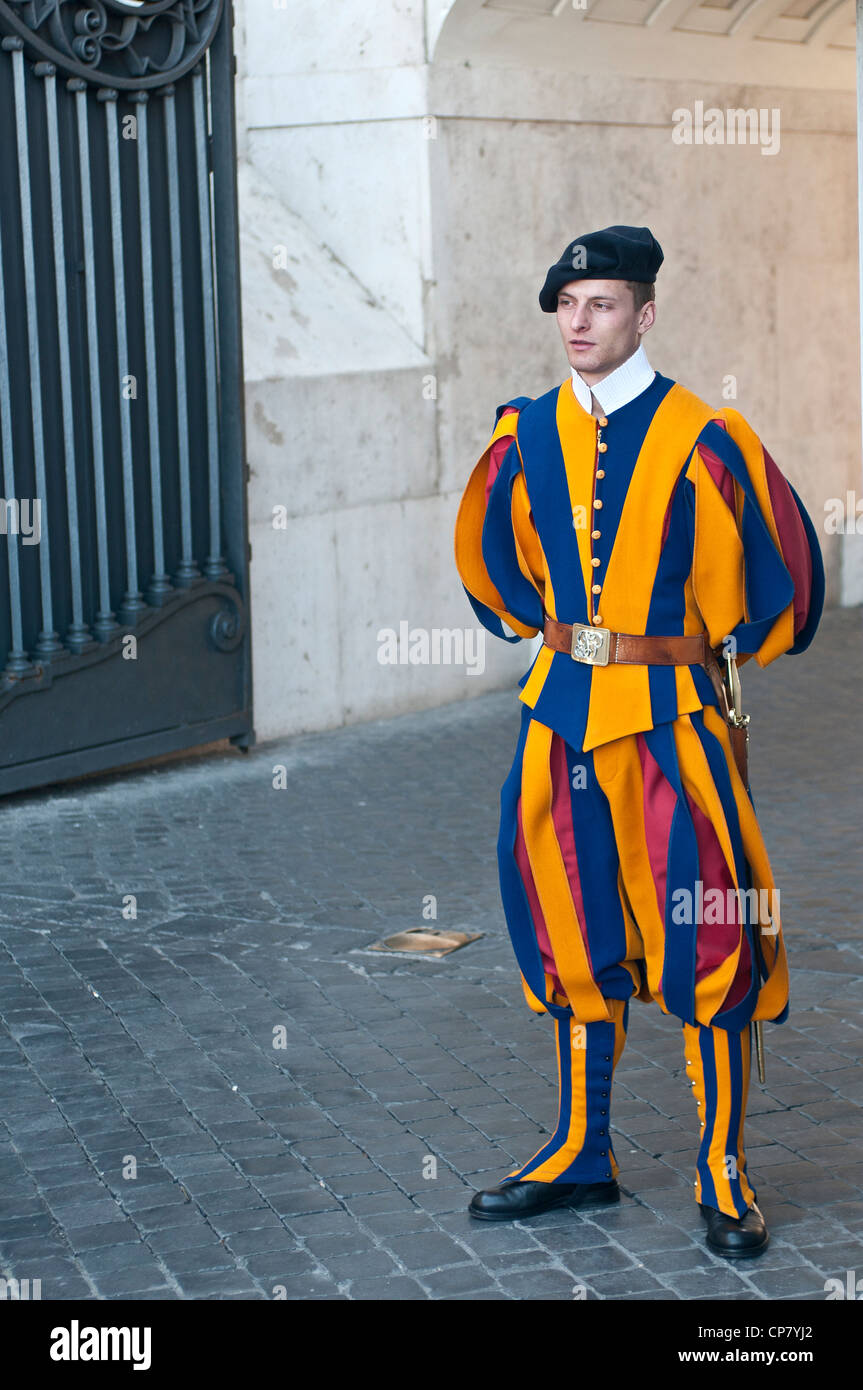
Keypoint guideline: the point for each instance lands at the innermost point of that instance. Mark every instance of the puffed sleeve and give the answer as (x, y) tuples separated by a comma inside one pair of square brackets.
[(497, 550), (757, 569)]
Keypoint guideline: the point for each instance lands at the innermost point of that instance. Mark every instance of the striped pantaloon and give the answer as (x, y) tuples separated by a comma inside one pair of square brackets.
[(593, 846)]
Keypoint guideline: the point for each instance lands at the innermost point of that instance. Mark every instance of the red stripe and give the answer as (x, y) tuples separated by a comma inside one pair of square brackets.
[(659, 802), (714, 942), (719, 473), (498, 449), (792, 539)]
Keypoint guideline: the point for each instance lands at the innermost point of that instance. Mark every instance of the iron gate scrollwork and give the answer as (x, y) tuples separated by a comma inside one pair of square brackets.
[(124, 627)]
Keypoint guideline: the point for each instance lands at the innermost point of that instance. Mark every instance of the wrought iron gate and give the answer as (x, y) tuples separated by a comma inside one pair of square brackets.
[(124, 588)]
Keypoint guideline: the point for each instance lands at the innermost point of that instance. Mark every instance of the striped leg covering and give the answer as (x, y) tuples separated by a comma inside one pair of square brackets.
[(580, 1149), (717, 1064)]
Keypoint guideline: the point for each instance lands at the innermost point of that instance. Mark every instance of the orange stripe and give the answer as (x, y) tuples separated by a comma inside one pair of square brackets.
[(577, 432), (528, 548)]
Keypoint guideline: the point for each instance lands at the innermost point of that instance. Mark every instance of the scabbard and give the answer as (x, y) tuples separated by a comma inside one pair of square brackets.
[(756, 1027), (739, 735), (738, 731)]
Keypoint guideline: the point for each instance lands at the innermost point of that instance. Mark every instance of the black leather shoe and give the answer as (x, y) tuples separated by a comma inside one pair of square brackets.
[(735, 1237), (516, 1200)]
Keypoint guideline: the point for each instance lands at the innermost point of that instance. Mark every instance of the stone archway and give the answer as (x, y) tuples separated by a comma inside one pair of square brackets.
[(790, 43)]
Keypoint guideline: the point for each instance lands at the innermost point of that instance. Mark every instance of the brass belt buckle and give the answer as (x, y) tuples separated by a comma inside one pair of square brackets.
[(590, 644)]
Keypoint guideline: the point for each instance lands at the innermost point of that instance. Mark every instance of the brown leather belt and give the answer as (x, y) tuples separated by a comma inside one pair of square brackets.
[(624, 646), (598, 646)]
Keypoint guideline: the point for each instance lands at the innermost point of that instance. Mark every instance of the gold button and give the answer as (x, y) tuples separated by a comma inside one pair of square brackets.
[(600, 472), (597, 502), (597, 589), (602, 420), (597, 618), (595, 561), (595, 535), (602, 447)]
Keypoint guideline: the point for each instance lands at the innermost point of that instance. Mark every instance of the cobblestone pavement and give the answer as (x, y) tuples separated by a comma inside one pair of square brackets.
[(229, 1096)]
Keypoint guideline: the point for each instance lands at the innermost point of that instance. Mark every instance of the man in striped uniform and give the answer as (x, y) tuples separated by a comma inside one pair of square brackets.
[(649, 538)]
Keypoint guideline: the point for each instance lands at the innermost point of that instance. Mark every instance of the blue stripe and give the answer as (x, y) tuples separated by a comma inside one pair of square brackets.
[(667, 613), (545, 474), (499, 549), (489, 619), (624, 434), (816, 600), (517, 403)]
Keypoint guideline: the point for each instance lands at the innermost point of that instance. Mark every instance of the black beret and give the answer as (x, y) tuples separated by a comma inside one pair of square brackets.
[(615, 253)]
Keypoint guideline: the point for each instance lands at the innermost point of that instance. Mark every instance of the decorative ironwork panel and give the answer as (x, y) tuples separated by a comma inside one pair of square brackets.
[(115, 43), (121, 432)]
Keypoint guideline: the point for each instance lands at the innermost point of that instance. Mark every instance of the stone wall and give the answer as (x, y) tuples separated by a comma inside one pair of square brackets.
[(398, 218)]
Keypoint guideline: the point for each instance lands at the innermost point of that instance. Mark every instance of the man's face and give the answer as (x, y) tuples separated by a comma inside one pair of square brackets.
[(600, 325)]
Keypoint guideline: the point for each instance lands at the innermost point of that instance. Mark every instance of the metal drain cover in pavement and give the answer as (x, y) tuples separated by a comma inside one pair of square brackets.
[(426, 941)]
